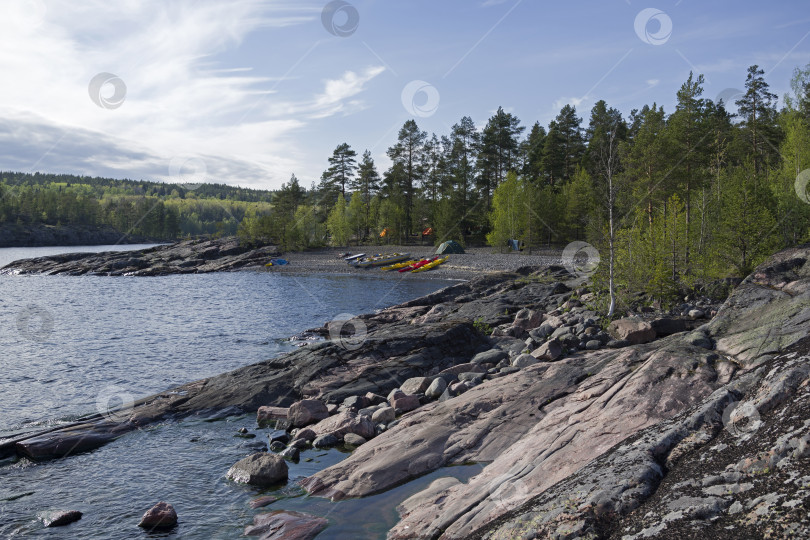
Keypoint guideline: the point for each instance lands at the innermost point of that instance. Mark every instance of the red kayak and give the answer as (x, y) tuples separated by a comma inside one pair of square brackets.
[(420, 264)]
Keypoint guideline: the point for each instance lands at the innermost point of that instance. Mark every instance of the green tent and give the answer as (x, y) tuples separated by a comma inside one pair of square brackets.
[(451, 246)]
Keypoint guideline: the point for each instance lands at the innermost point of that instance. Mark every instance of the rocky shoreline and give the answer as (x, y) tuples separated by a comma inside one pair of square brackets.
[(228, 254), (689, 423), (187, 257)]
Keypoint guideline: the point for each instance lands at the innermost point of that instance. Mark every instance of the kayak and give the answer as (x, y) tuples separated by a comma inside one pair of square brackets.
[(381, 260), (420, 264), (399, 265), (277, 262), (354, 257), (430, 265)]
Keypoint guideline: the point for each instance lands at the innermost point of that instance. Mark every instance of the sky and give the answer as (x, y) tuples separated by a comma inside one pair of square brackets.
[(248, 92)]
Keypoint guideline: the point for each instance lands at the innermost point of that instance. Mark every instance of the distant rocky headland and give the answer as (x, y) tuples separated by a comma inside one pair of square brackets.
[(39, 234), (685, 423), (187, 257)]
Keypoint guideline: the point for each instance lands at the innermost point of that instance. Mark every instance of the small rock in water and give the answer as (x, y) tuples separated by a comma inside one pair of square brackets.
[(278, 435), (243, 430), (261, 469), (325, 441), (301, 444), (277, 446), (291, 453), (353, 440), (59, 518), (286, 524), (306, 434), (160, 516), (261, 502)]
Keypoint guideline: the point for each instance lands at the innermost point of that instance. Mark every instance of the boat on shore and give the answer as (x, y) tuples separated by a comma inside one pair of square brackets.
[(380, 260), (431, 265), (419, 264)]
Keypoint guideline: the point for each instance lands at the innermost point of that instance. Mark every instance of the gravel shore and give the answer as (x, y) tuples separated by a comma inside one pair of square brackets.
[(461, 266)]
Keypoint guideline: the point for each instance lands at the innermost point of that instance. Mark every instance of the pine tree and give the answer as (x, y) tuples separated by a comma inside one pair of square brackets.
[(603, 120), (532, 153), (499, 152), (342, 166), (407, 153), (463, 147), (757, 110), (688, 135), (367, 184)]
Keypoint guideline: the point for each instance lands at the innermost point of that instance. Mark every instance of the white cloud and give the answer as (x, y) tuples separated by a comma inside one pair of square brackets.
[(181, 99)]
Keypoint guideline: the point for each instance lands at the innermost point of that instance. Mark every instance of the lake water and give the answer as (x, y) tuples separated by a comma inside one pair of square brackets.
[(68, 344)]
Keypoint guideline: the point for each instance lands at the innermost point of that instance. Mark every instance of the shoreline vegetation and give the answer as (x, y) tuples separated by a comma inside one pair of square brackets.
[(515, 370), (667, 199)]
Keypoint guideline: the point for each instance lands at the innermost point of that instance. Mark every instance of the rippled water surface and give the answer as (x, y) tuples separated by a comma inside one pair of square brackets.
[(68, 343)]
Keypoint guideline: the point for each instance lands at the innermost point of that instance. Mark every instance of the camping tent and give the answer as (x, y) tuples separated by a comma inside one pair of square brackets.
[(451, 246)]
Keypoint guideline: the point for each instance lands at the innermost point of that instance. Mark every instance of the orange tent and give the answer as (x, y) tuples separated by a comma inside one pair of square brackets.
[(428, 231), (384, 232)]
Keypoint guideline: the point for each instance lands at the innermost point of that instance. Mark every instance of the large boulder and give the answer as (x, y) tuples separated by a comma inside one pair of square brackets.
[(633, 329), (260, 469), (492, 356), (548, 351), (416, 385), (402, 401), (345, 422), (266, 415), (160, 516), (307, 411), (436, 388)]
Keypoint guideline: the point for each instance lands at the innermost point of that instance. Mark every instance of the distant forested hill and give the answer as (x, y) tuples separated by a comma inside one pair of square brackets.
[(137, 208)]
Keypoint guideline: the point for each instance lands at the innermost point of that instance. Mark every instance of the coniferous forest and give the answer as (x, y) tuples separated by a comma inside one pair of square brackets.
[(701, 192)]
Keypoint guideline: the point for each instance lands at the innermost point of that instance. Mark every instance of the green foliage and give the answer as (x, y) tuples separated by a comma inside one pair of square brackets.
[(481, 326), (339, 224), (509, 212)]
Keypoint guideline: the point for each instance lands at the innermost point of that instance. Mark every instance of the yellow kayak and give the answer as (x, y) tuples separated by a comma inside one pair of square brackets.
[(398, 265), (430, 265)]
